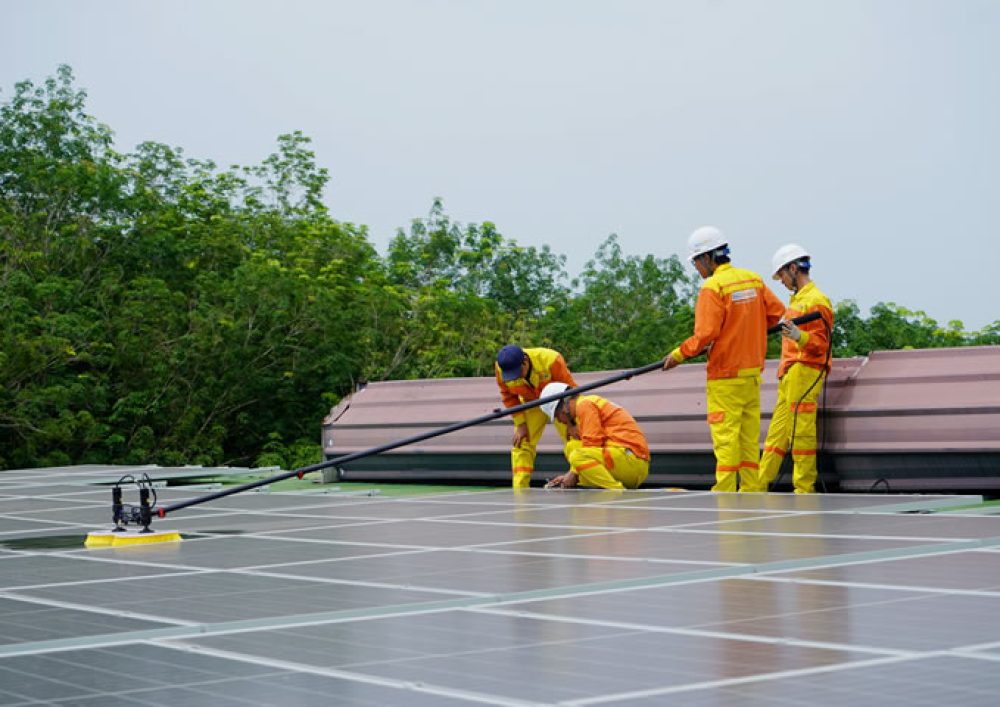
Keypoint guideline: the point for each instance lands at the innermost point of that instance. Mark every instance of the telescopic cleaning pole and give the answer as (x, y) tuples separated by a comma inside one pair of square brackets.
[(498, 413)]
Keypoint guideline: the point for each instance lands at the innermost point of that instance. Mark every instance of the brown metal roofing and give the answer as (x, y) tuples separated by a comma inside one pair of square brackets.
[(929, 399), (913, 401)]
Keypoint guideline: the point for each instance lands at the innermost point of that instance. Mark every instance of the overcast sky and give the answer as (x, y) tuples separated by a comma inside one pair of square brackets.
[(866, 130)]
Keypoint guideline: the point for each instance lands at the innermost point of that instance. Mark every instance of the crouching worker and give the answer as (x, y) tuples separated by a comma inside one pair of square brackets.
[(612, 452)]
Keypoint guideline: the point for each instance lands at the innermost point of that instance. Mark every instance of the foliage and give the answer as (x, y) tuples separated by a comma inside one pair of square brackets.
[(158, 309), (457, 293), (300, 453), (627, 310), (161, 310), (890, 326)]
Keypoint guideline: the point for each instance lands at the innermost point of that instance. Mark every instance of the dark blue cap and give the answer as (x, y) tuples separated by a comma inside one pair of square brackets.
[(509, 358)]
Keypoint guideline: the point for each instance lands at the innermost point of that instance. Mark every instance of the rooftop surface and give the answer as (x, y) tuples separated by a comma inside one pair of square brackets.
[(498, 598)]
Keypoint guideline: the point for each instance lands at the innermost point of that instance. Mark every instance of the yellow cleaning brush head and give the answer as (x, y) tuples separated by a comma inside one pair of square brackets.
[(107, 538)]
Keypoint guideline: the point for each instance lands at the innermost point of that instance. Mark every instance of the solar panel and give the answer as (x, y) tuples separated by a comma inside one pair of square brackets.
[(500, 598)]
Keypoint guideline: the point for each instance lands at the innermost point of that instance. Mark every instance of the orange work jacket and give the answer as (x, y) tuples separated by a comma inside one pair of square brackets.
[(812, 347), (734, 311), (602, 423)]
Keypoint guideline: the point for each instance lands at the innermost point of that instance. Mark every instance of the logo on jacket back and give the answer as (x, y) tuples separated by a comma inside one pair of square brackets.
[(744, 295)]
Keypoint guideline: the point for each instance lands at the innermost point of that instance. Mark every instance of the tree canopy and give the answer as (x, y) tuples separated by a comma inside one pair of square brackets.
[(160, 309)]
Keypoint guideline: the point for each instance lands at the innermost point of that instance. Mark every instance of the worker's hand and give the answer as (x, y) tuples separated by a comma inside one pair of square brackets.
[(520, 434), (790, 331), (565, 481), (670, 362), (569, 480), (572, 431), (555, 482)]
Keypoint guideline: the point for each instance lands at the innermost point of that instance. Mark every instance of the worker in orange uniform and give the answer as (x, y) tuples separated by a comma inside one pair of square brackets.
[(612, 453), (734, 310), (805, 362), (521, 375)]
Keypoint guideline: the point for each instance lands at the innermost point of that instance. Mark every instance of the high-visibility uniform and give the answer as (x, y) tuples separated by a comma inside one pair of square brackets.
[(545, 366), (801, 372), (734, 310), (612, 452)]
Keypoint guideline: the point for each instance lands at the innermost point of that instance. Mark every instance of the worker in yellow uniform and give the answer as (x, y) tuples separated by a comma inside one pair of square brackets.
[(805, 362), (734, 310), (612, 453), (521, 375)]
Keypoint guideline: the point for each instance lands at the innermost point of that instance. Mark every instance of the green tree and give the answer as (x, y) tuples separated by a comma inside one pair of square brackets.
[(61, 209), (989, 335), (890, 327), (456, 293), (158, 309), (625, 310)]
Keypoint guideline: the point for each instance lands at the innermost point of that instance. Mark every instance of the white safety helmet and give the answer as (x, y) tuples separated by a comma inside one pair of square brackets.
[(553, 388), (705, 240), (784, 255)]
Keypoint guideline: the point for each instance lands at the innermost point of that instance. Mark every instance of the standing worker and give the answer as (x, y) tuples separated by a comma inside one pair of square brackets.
[(733, 313), (612, 453), (521, 375), (805, 362)]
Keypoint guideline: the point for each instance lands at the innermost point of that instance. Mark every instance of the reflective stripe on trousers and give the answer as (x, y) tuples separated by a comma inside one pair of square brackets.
[(734, 420), (607, 467), (791, 388)]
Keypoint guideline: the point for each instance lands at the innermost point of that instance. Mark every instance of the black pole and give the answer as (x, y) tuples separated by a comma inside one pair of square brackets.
[(804, 319), (496, 414)]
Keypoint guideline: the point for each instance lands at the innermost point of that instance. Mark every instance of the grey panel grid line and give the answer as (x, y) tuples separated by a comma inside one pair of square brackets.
[(727, 682), (402, 685), (703, 633), (868, 585), (434, 606), (565, 598)]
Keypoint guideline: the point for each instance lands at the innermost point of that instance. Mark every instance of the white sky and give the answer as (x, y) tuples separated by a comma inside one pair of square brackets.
[(866, 130)]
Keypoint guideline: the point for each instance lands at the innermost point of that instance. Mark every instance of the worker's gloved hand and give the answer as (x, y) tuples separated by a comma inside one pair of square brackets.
[(790, 331), (572, 431), (520, 434)]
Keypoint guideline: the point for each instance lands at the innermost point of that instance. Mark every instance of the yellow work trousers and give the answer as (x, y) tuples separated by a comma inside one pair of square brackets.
[(795, 412), (734, 419), (607, 467), (522, 458)]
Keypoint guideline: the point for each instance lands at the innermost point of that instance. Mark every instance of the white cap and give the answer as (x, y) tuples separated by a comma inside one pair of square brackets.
[(784, 255), (553, 388), (704, 240)]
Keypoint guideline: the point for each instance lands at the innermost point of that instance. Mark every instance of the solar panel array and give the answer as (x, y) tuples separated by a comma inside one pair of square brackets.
[(498, 598)]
